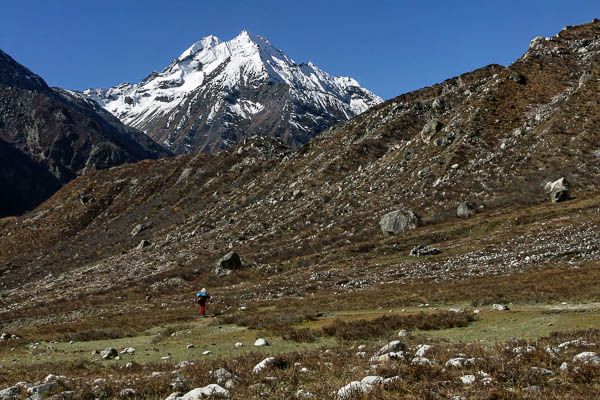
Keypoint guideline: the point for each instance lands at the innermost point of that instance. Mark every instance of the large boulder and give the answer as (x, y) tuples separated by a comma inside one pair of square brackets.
[(228, 263), (398, 221), (558, 190), (466, 209), (432, 127)]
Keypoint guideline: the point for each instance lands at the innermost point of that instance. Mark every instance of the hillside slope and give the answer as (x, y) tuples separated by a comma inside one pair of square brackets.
[(503, 132), (54, 130)]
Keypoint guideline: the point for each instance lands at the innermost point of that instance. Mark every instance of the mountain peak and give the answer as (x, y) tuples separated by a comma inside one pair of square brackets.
[(216, 92), (207, 42)]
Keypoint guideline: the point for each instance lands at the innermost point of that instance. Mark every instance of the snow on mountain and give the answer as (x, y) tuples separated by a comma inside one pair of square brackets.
[(216, 94)]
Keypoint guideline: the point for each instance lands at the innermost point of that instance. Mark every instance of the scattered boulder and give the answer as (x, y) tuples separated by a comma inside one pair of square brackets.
[(263, 364), (353, 389), (228, 263), (128, 350), (304, 394), (466, 209), (423, 349), (467, 379), (223, 375), (394, 345), (39, 392), (422, 250), (432, 127), (421, 361), (140, 227), (10, 393), (558, 190), (387, 357), (403, 333), (207, 391), (398, 221), (588, 358), (144, 243), (500, 307), (239, 344), (261, 342), (457, 362), (109, 353), (372, 380)]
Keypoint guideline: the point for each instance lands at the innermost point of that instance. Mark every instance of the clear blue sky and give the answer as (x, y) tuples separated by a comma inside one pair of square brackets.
[(390, 47)]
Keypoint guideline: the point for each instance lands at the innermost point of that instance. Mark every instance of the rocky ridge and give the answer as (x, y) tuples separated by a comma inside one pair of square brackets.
[(50, 136)]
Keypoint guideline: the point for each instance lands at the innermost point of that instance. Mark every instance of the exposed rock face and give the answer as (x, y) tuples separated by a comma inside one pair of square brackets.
[(398, 221), (216, 94), (50, 136), (558, 190), (228, 263)]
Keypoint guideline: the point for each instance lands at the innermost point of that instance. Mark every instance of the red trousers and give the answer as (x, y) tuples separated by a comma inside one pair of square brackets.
[(202, 310)]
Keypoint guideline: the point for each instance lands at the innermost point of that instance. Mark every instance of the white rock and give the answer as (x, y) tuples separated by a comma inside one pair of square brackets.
[(564, 366), (207, 391), (361, 354), (500, 307), (206, 353), (261, 342), (524, 349), (128, 350), (393, 379), (239, 344), (263, 364), (403, 333), (421, 361), (372, 380), (165, 358), (394, 345), (189, 346), (422, 349), (222, 375), (129, 365), (587, 357), (362, 347), (304, 394), (476, 311), (353, 389), (127, 392), (467, 379), (304, 369), (457, 362), (393, 355)]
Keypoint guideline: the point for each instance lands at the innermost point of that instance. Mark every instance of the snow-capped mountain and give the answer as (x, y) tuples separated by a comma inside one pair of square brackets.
[(216, 94)]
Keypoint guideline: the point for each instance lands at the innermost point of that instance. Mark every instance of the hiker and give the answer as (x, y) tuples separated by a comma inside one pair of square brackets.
[(148, 297), (201, 298)]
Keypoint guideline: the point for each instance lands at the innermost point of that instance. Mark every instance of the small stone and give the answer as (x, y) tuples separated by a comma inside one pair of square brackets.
[(467, 379), (239, 344)]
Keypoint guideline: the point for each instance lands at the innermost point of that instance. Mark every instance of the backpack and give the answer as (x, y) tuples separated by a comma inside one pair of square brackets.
[(201, 296)]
